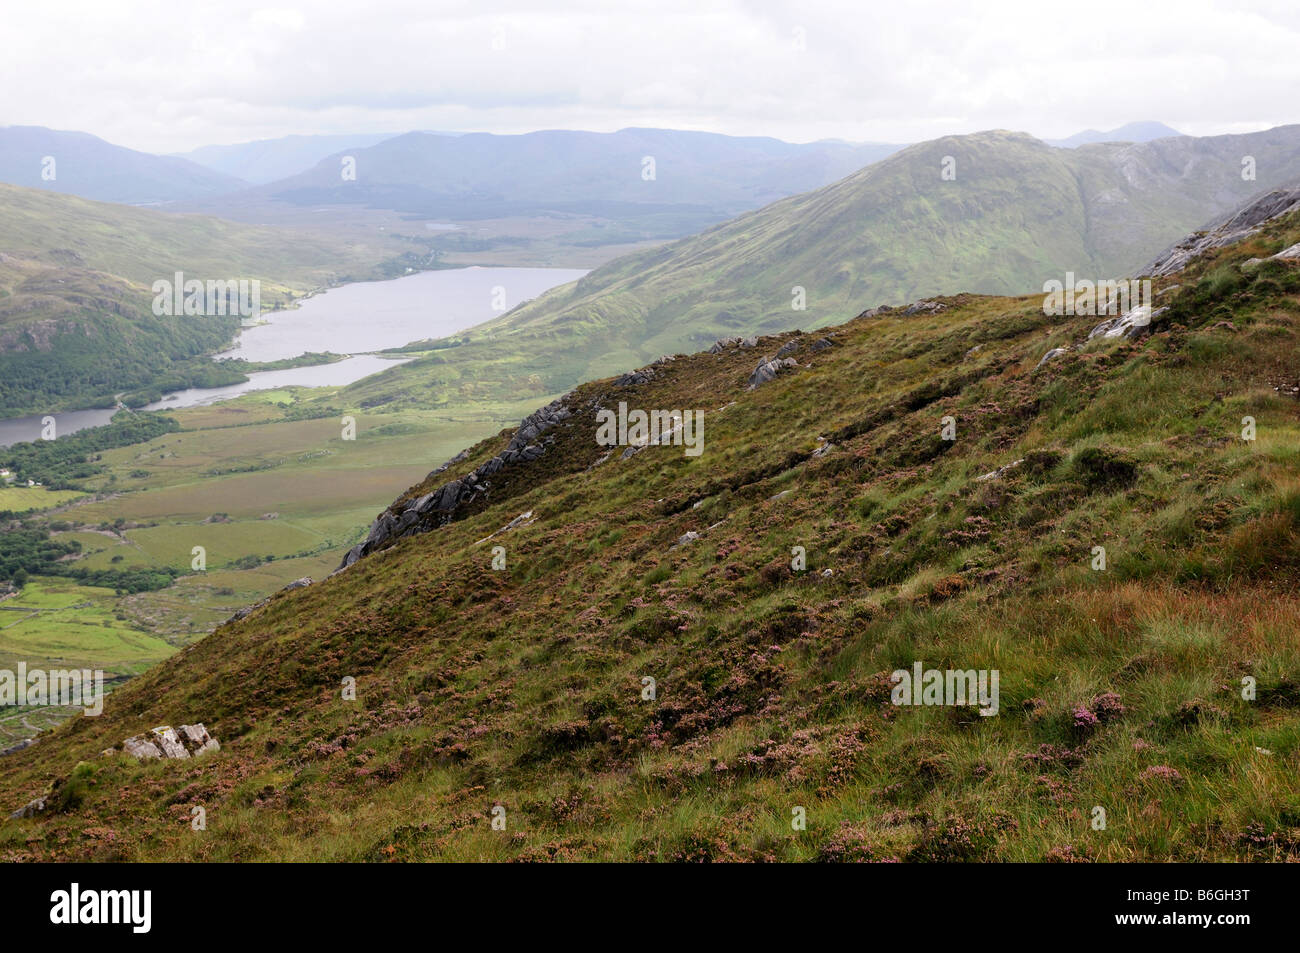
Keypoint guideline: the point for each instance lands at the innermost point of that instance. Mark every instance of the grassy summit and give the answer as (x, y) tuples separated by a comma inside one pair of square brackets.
[(522, 688)]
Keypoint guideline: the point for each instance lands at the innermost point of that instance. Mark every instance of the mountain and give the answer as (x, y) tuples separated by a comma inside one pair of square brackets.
[(81, 164), (696, 177), (267, 160), (1017, 214), (76, 300), (645, 654), (1130, 132)]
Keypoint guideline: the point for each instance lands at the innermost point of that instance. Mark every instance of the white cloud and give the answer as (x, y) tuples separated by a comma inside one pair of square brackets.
[(161, 76)]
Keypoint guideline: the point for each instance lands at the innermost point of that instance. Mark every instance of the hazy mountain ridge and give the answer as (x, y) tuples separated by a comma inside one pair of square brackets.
[(1129, 132), (1018, 213), (266, 160), (87, 166)]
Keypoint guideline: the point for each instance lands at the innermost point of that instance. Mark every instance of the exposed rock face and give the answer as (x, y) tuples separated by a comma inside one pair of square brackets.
[(1128, 325), (822, 344), (167, 742), (438, 508), (1241, 224), (767, 370), (1289, 254), (787, 349), (686, 538), (1052, 355), (635, 377)]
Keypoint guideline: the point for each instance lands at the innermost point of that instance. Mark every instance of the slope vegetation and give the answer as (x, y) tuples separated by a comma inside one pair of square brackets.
[(1160, 685)]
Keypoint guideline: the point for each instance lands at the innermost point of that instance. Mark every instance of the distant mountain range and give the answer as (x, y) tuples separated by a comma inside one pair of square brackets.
[(1131, 132), (81, 164), (657, 183), (267, 160), (1015, 213)]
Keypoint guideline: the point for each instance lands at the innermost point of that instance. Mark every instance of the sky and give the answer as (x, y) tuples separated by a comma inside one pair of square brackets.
[(171, 75)]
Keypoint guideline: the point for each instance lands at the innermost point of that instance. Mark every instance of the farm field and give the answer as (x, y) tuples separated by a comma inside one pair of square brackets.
[(28, 499), (269, 498)]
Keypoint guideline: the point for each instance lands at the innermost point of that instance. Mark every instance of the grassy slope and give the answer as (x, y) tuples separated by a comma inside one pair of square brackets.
[(893, 232), (523, 688)]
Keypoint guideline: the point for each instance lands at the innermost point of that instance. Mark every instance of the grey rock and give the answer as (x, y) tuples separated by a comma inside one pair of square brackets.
[(141, 747), (767, 370), (168, 742), (30, 809), (1289, 254), (689, 536), (1052, 355), (788, 348), (1240, 224), (822, 344), (1000, 471), (635, 377)]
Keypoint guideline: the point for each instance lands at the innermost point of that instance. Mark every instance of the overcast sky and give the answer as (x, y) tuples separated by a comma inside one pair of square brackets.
[(168, 75)]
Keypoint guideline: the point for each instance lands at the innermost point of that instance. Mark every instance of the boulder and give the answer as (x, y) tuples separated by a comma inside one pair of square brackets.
[(689, 536), (767, 370), (167, 742), (142, 748), (30, 809), (1052, 355)]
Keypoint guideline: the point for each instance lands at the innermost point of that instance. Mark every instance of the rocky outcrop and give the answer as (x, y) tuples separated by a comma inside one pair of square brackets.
[(635, 377), (190, 741), (1130, 324), (438, 508), (1239, 225), (1052, 355), (767, 370)]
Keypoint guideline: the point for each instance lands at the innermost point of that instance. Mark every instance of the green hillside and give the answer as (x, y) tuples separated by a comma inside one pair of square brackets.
[(521, 693), (76, 319), (1017, 213)]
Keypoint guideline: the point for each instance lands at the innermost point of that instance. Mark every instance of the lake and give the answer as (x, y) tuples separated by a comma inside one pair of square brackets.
[(352, 319), (374, 315)]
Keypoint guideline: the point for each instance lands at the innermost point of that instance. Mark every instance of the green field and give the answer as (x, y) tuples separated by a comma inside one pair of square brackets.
[(29, 499), (269, 499)]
